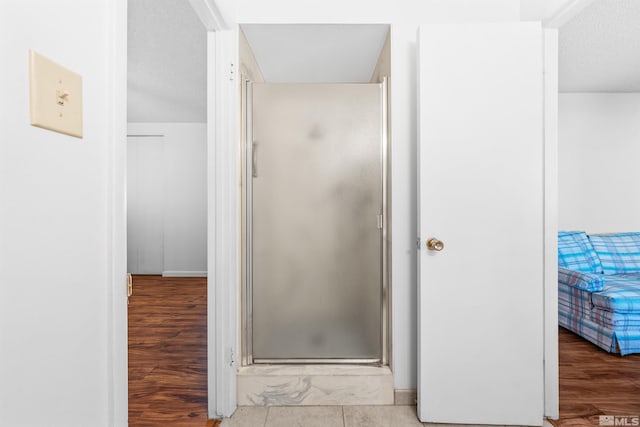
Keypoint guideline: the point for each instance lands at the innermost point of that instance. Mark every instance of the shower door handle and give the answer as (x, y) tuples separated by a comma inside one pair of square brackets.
[(254, 159)]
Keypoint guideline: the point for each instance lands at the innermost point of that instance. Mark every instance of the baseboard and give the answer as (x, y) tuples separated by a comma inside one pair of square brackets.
[(407, 396), (173, 273)]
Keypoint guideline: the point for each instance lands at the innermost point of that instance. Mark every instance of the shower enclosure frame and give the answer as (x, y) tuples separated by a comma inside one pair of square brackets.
[(246, 294)]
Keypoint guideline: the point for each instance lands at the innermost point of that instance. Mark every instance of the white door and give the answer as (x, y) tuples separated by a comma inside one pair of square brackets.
[(145, 204), (480, 177)]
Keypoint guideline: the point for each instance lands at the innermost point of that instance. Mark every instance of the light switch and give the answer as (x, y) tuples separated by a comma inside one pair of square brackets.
[(56, 96)]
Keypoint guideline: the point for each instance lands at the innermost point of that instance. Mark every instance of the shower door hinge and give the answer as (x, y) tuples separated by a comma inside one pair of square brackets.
[(380, 221)]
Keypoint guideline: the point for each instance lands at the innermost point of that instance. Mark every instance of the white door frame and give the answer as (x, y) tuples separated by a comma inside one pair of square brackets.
[(223, 219), (117, 398), (550, 222), (222, 223)]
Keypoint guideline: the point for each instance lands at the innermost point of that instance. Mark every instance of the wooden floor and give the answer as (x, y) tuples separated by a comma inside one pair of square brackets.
[(168, 352), (168, 363), (594, 382)]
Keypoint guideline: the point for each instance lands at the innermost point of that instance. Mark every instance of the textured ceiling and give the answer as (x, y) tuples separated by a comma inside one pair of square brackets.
[(166, 62), (599, 48), (599, 52), (316, 53)]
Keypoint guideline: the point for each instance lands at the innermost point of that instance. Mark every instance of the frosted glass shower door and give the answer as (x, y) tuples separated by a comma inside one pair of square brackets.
[(316, 237)]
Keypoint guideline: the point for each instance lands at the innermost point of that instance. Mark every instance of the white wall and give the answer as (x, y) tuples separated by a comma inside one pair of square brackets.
[(599, 150), (248, 64), (540, 10), (383, 65), (184, 180), (55, 289), (404, 17)]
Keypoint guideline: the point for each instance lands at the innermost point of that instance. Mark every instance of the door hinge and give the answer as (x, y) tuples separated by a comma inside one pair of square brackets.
[(129, 287), (418, 243), (232, 72), (380, 221), (232, 358)]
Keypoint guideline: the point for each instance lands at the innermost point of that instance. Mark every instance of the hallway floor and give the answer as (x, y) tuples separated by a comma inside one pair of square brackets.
[(168, 352), (330, 416)]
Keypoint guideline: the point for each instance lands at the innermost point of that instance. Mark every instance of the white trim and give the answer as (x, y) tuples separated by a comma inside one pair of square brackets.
[(223, 210), (212, 331), (224, 225), (209, 13), (551, 370), (176, 273), (551, 362), (118, 400), (566, 13)]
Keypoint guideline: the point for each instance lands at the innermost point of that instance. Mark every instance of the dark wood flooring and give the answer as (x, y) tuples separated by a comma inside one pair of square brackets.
[(168, 352), (168, 363), (594, 382)]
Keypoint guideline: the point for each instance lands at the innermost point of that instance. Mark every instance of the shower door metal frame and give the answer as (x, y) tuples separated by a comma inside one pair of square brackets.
[(246, 295)]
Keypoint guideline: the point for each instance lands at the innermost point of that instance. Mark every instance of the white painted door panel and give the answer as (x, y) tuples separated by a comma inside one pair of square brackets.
[(145, 201), (481, 192)]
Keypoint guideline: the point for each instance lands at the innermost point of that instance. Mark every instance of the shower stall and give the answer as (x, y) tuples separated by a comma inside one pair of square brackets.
[(315, 223)]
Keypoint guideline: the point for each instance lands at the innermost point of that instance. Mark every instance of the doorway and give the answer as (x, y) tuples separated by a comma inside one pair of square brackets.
[(314, 196), (167, 213), (599, 101)]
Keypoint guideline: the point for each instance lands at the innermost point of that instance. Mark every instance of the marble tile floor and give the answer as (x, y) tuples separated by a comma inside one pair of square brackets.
[(330, 416)]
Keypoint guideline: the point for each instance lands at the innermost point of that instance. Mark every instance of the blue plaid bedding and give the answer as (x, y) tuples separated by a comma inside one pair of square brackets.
[(609, 318), (618, 253), (614, 320), (599, 288), (587, 281), (621, 294), (576, 302), (600, 335), (575, 252), (627, 341)]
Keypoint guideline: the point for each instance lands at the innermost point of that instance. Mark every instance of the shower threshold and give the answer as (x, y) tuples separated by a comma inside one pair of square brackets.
[(314, 385)]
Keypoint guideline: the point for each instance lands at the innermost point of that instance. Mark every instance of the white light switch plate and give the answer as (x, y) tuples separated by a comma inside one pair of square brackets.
[(56, 96)]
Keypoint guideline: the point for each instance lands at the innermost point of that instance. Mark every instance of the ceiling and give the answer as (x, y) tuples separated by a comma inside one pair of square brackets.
[(167, 62), (599, 48), (599, 51), (316, 53)]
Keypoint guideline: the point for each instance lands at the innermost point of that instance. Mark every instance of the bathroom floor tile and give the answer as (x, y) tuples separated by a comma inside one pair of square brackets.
[(305, 416), (370, 416), (333, 416), (247, 416), (404, 416), (381, 416)]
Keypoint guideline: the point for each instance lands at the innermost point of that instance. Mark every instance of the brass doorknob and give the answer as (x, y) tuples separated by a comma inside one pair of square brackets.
[(435, 245)]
